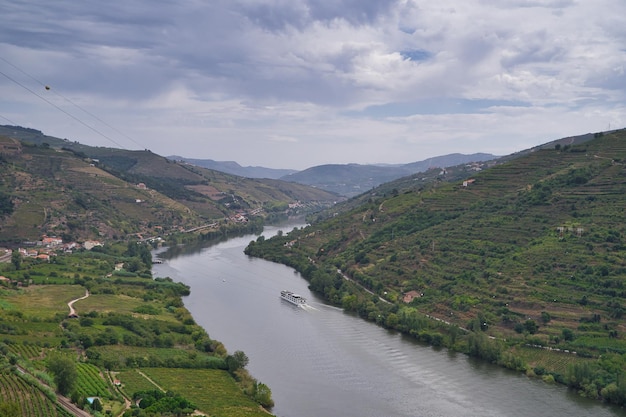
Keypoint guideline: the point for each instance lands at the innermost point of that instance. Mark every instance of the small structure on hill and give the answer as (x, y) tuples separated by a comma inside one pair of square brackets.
[(407, 297)]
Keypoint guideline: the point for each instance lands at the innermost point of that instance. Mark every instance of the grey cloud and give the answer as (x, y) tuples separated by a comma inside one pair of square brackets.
[(533, 48), (279, 14), (549, 4)]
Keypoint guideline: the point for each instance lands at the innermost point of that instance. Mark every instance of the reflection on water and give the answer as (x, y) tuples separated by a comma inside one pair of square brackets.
[(321, 361)]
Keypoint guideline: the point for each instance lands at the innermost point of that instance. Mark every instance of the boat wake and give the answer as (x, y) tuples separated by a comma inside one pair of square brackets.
[(308, 307)]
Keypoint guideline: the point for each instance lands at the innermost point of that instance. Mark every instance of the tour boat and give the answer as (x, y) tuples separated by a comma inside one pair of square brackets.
[(293, 298)]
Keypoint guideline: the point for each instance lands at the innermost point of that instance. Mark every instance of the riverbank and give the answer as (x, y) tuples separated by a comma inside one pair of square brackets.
[(324, 352), (524, 352), (118, 322)]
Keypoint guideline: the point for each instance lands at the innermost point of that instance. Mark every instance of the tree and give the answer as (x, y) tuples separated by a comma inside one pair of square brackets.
[(64, 371), (236, 361), (96, 405), (16, 259), (6, 205), (263, 395), (567, 334), (531, 326)]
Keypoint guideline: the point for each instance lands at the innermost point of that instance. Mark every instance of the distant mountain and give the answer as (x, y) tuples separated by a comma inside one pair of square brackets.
[(232, 167), (353, 179)]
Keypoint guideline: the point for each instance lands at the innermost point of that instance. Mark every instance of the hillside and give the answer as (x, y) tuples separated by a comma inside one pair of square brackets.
[(530, 251), (57, 187)]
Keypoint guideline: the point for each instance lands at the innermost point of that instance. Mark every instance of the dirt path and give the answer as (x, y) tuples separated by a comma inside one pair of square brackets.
[(71, 303), (150, 380)]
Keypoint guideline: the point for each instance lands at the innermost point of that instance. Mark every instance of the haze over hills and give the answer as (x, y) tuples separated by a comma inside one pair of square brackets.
[(344, 179), (232, 167), (353, 179)]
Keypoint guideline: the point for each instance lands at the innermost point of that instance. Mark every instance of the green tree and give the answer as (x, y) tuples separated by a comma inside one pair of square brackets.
[(531, 326), (236, 361), (263, 395), (64, 371), (567, 334), (96, 405), (16, 259), (392, 320), (6, 205)]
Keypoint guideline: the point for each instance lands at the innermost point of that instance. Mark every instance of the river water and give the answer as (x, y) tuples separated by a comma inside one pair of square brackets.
[(322, 362)]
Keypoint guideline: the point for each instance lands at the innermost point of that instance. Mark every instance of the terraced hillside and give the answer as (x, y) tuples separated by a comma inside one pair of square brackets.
[(530, 250), (61, 188)]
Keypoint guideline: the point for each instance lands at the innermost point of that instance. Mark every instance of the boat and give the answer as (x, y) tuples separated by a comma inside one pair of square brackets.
[(293, 298)]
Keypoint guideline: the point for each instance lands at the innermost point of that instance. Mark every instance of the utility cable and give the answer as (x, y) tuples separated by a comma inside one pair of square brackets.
[(62, 110), (48, 88), (8, 120)]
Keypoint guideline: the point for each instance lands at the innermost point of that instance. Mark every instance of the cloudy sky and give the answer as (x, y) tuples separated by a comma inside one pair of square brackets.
[(298, 83)]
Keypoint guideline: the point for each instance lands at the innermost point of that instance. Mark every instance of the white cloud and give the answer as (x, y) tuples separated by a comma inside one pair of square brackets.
[(300, 83)]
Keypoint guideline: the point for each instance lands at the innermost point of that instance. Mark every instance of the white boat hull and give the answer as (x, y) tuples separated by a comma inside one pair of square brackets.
[(293, 298)]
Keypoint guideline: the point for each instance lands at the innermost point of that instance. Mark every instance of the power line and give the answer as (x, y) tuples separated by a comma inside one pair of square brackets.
[(48, 88), (61, 110), (8, 120)]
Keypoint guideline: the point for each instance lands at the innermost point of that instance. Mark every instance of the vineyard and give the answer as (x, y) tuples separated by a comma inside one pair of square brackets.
[(212, 391), (117, 330), (550, 360), (28, 351), (90, 382), (133, 381), (30, 400)]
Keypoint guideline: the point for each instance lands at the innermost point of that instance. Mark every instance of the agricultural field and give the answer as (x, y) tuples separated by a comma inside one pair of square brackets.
[(133, 381), (30, 401), (42, 302), (28, 350), (556, 362), (123, 322), (212, 391), (90, 382)]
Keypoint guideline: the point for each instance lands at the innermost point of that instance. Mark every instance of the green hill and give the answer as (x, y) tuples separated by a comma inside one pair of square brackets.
[(57, 187), (528, 252)]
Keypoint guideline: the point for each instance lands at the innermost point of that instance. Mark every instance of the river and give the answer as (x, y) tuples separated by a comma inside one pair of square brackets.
[(322, 362)]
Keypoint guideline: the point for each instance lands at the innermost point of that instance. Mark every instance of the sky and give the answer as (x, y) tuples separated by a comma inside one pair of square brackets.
[(299, 83)]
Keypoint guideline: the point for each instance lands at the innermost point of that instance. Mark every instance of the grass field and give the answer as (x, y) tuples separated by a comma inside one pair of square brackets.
[(212, 391), (43, 301), (550, 360)]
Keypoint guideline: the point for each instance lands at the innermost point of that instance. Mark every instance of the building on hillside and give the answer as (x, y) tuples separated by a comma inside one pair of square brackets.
[(407, 297), (51, 241), (90, 244)]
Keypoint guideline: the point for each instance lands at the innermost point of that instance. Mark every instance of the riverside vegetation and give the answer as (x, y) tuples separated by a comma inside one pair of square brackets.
[(522, 264), (56, 187), (133, 349)]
